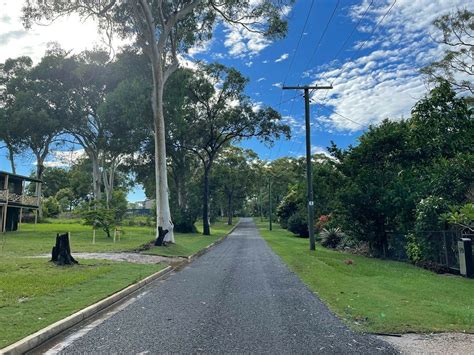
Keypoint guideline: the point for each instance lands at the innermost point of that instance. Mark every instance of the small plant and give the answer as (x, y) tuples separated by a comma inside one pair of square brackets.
[(101, 217), (331, 237), (413, 248), (322, 222)]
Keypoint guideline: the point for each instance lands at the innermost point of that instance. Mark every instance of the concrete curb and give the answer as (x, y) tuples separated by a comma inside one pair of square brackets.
[(36, 339), (210, 246), (41, 336)]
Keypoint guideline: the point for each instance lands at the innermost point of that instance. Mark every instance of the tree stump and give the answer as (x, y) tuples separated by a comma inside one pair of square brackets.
[(161, 235), (61, 253)]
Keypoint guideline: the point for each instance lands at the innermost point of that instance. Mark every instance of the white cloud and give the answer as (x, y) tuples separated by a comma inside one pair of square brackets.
[(277, 85), (249, 64), (200, 48), (70, 32), (64, 158), (283, 57), (261, 79), (321, 150), (243, 43), (383, 81), (297, 126), (257, 106)]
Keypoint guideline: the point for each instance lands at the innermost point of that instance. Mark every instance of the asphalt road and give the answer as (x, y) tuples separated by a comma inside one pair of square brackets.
[(238, 298)]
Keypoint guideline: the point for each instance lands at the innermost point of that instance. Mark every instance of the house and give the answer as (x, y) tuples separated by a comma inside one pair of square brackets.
[(13, 199)]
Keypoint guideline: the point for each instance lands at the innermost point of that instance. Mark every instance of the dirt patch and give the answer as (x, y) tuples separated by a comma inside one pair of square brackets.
[(128, 257), (442, 343)]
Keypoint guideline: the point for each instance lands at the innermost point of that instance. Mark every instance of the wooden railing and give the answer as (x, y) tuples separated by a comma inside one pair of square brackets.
[(19, 199), (3, 195)]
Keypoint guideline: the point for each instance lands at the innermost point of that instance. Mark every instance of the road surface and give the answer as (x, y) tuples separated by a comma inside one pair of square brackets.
[(239, 297)]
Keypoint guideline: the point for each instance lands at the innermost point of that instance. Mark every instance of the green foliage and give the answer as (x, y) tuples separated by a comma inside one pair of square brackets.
[(51, 207), (413, 248), (461, 216), (423, 244), (184, 220), (102, 218), (288, 207), (298, 224), (331, 237), (457, 33), (119, 204)]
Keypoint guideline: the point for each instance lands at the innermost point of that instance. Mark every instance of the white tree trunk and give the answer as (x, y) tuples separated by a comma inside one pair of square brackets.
[(163, 215), (96, 176)]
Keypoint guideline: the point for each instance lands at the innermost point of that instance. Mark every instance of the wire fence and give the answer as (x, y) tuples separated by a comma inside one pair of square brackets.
[(442, 247)]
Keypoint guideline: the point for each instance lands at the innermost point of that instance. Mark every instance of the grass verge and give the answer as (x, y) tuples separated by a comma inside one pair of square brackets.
[(35, 293), (376, 295), (189, 244), (39, 239)]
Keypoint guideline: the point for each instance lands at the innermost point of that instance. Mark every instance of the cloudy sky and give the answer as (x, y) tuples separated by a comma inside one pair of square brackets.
[(369, 50)]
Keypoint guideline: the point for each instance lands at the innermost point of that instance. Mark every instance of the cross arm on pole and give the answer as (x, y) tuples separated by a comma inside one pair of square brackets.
[(307, 87)]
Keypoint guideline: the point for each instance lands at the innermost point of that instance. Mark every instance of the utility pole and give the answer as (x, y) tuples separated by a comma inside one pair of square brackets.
[(309, 168), (270, 201)]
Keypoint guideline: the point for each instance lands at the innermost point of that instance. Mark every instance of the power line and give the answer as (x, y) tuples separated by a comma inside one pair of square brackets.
[(299, 41), (352, 32), (368, 38), (349, 119), (322, 35)]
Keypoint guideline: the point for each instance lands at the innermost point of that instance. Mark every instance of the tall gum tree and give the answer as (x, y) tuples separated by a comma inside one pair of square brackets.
[(163, 29), (219, 113), (13, 79)]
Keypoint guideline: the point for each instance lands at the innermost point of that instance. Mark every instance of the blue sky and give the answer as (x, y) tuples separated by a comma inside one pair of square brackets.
[(370, 50)]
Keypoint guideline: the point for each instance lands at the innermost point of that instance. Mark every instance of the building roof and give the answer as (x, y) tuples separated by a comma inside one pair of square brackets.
[(20, 176)]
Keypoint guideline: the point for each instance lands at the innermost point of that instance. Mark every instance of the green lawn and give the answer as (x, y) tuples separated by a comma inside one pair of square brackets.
[(35, 293), (39, 239), (376, 295), (188, 244)]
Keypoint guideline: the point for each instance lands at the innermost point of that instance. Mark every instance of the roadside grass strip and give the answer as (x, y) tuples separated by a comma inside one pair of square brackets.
[(375, 295), (36, 240), (35, 293), (189, 244)]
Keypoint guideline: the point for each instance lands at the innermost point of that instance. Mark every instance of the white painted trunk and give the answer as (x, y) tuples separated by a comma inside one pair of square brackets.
[(163, 215)]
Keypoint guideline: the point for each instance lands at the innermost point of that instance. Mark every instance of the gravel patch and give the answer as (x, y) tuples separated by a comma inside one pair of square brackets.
[(128, 257), (441, 343)]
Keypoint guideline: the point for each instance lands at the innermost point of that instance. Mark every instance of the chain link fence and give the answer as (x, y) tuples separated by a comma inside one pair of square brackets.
[(443, 247)]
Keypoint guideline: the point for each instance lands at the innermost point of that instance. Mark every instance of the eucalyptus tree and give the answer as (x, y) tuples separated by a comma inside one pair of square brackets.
[(219, 113), (37, 107), (13, 79), (163, 29), (456, 66), (235, 176)]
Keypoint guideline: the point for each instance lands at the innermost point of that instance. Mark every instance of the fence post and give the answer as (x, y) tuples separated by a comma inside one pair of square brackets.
[(445, 249), (466, 264)]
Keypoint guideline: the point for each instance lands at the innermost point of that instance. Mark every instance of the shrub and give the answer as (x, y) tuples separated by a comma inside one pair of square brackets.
[(287, 208), (322, 222), (102, 218), (297, 224), (413, 248), (184, 222), (423, 244), (50, 207), (331, 237)]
